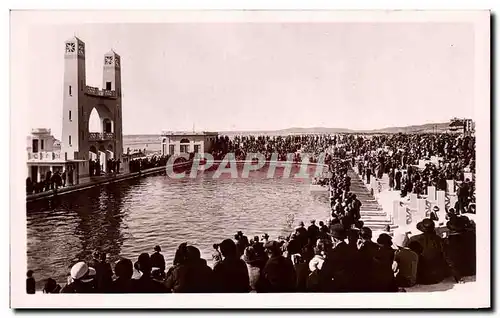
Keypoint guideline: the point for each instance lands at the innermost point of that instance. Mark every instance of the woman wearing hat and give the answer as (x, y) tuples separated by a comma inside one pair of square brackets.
[(432, 266), (82, 279), (460, 249)]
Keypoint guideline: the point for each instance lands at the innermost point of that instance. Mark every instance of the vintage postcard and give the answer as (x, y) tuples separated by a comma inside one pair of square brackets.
[(186, 159)]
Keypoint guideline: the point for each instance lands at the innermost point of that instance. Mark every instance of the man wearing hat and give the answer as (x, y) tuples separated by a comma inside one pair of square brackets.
[(339, 269), (279, 271), (406, 261), (82, 279), (313, 231), (157, 260), (460, 249), (431, 266), (367, 253)]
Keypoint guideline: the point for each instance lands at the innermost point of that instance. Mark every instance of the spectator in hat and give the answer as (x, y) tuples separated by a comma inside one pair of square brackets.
[(301, 232), (51, 287), (82, 279), (313, 232), (265, 238), (157, 260), (123, 283), (241, 242), (431, 266), (30, 283), (146, 284), (405, 261), (340, 267), (278, 271), (231, 274), (460, 249), (384, 259), (367, 253)]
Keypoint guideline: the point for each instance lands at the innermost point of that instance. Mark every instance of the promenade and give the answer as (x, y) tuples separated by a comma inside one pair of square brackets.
[(89, 182)]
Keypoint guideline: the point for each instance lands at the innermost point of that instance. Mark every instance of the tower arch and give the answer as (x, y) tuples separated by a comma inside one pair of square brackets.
[(78, 142)]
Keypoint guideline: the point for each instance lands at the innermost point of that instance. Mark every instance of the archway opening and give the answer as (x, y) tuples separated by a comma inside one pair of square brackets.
[(95, 124), (93, 153)]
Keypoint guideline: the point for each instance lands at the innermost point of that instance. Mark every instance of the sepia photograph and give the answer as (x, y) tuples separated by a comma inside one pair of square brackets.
[(319, 158)]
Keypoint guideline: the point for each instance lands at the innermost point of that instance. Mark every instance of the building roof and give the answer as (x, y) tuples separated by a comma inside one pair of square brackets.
[(189, 133)]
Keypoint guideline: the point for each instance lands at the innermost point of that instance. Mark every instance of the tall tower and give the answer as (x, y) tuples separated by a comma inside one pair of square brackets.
[(78, 144), (112, 81), (73, 94)]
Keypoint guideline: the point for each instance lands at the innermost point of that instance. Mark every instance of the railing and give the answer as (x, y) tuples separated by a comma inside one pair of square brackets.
[(99, 92), (44, 155), (101, 136)]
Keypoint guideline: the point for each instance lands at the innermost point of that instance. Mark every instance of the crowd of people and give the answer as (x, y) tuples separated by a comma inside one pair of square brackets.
[(331, 257), (49, 181), (97, 169), (338, 255)]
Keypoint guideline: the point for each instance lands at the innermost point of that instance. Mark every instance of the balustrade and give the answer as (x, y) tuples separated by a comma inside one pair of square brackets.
[(99, 92), (101, 136), (44, 155)]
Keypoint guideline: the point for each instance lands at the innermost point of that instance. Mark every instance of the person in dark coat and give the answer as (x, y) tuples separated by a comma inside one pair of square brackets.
[(301, 266), (367, 253), (255, 266), (279, 271), (313, 231), (157, 259), (397, 178), (432, 266), (82, 280), (301, 232), (385, 281), (293, 246), (340, 267), (51, 287), (391, 179), (459, 249), (406, 261), (146, 284), (104, 273), (123, 283), (191, 276), (231, 274), (30, 283)]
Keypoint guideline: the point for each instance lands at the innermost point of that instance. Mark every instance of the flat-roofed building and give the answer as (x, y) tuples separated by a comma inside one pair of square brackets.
[(175, 143)]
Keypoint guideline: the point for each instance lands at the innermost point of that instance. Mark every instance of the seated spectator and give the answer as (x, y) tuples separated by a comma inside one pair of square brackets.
[(231, 274), (406, 261), (146, 284), (460, 249), (82, 280), (51, 287), (123, 283), (279, 271), (431, 265)]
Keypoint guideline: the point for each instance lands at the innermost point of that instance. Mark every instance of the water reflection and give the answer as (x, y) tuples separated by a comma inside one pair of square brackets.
[(129, 218)]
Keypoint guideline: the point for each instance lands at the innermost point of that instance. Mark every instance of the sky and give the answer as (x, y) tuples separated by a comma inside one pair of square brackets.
[(263, 76)]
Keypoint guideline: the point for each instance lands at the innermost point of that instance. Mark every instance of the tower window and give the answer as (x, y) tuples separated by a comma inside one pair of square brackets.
[(108, 86), (70, 90), (69, 139), (70, 115), (41, 144)]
